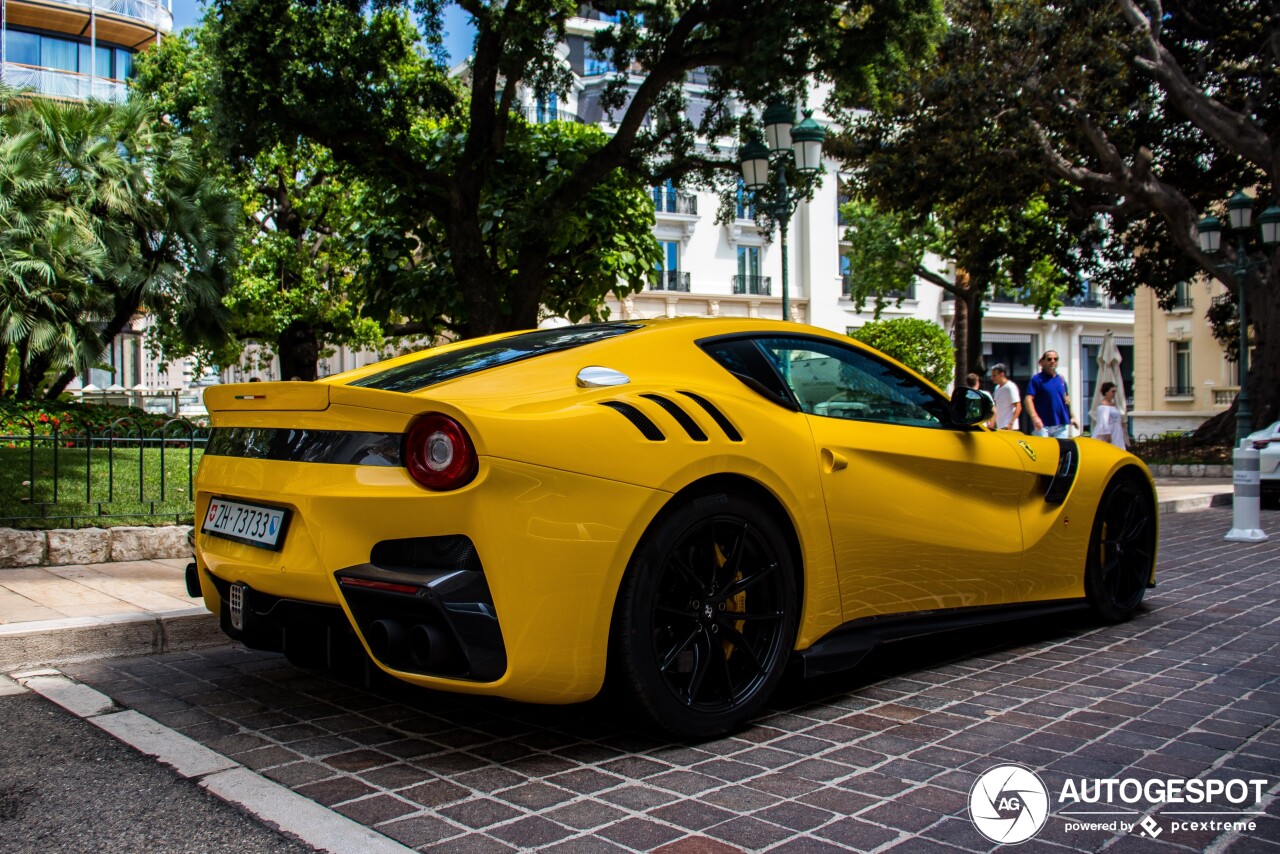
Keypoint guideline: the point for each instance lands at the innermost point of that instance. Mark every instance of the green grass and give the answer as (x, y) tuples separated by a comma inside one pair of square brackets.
[(111, 496)]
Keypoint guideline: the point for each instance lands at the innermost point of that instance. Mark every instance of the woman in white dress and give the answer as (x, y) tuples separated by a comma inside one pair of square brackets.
[(1107, 424)]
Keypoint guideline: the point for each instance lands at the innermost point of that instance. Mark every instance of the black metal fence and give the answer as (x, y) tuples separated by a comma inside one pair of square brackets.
[(1176, 448), (51, 477)]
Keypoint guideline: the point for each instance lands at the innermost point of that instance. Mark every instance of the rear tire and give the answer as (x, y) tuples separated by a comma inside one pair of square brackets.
[(1122, 549), (706, 618)]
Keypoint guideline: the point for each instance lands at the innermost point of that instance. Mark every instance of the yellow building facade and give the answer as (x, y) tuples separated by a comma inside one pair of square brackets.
[(1181, 373)]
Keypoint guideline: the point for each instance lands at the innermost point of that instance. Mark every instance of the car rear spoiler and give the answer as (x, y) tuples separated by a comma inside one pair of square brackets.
[(262, 397)]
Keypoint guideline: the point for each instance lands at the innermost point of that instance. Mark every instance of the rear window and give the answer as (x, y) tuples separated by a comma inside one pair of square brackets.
[(430, 370)]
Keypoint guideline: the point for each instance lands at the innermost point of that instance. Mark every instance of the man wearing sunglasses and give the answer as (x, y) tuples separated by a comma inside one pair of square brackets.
[(1048, 402)]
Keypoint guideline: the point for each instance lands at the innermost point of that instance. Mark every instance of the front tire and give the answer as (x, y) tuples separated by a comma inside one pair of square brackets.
[(1122, 549), (707, 616)]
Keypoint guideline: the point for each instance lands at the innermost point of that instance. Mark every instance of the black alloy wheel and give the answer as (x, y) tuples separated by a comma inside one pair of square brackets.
[(1122, 550), (707, 616)]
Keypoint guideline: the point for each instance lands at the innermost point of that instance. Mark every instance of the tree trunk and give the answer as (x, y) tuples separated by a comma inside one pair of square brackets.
[(4, 367), (977, 363), (299, 349), (60, 384), (31, 373), (1264, 367), (960, 334)]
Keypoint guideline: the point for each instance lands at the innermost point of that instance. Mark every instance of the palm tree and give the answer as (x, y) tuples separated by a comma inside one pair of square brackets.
[(48, 252), (163, 233)]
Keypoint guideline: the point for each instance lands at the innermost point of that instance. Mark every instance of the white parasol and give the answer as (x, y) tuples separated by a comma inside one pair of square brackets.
[(1109, 371)]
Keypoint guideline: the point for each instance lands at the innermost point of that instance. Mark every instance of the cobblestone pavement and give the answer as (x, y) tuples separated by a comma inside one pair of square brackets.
[(881, 759)]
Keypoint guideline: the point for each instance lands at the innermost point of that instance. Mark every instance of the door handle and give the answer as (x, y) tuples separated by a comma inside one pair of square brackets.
[(832, 462)]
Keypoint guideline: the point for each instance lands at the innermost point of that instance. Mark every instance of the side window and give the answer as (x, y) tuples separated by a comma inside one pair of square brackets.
[(839, 382), (747, 361)]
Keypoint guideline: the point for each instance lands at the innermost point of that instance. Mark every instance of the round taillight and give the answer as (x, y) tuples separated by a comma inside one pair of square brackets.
[(439, 453)]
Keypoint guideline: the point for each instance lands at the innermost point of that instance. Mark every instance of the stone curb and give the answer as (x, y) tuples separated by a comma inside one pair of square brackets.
[(268, 801), (1191, 470), (75, 639), (91, 545), (1191, 503)]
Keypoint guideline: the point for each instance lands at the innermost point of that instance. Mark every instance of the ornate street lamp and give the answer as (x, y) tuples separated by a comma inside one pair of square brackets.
[(1240, 218), (789, 146)]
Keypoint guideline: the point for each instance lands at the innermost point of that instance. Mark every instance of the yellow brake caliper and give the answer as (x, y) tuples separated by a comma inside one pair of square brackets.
[(736, 605)]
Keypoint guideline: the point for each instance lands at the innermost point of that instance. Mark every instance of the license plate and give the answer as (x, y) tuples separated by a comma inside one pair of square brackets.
[(235, 607), (251, 524)]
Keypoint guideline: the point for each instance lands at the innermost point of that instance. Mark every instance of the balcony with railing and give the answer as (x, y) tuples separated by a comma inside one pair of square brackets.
[(546, 115), (66, 85), (755, 285), (669, 280), (668, 202), (1179, 391), (1091, 300), (1225, 395), (153, 15)]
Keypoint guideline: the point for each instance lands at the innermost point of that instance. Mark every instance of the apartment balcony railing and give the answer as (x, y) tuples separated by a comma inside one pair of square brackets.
[(1082, 301), (1179, 391), (756, 285), (544, 116), (1182, 304), (1225, 396), (675, 203), (150, 12), (669, 280), (69, 85)]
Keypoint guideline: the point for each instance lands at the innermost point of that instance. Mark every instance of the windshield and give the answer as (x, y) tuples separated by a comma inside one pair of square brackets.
[(430, 370)]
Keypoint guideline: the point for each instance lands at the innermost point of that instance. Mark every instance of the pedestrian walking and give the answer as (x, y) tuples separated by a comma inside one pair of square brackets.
[(1108, 421), (1048, 402), (1008, 405)]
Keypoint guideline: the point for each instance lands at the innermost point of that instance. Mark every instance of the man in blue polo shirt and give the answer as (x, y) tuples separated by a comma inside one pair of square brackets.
[(1048, 402)]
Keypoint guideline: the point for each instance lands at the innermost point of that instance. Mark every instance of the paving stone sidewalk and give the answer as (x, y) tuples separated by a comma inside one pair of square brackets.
[(882, 759)]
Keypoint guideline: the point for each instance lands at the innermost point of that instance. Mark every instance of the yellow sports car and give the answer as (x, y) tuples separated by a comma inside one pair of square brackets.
[(687, 506)]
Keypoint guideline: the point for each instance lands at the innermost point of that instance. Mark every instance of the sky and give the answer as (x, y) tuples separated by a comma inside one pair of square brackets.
[(186, 13)]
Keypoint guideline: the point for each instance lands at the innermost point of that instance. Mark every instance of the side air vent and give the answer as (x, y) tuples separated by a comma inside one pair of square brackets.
[(638, 418), (719, 417), (1060, 483), (682, 418)]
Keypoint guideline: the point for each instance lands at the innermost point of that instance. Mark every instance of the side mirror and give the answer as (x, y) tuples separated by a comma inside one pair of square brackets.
[(970, 406)]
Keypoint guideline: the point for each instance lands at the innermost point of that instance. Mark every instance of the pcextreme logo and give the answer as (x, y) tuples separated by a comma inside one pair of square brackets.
[(1009, 804)]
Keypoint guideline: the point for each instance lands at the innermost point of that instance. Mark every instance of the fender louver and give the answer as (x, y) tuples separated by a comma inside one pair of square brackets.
[(682, 418), (716, 415), (1060, 484), (641, 421)]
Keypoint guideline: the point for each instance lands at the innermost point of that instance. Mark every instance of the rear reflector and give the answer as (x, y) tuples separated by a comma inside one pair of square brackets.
[(370, 584)]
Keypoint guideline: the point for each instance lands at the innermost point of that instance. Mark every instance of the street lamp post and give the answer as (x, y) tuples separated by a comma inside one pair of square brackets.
[(1240, 216), (799, 148), (1246, 518)]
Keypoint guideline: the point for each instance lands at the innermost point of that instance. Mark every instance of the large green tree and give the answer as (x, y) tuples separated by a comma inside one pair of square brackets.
[(353, 77), (152, 231), (296, 290), (1015, 253), (1137, 117)]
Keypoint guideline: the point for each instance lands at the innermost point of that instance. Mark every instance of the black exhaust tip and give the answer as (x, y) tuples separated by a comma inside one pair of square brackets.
[(388, 640), (193, 581)]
